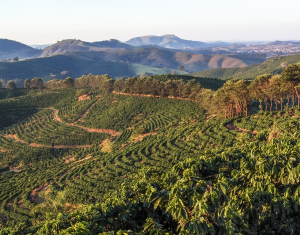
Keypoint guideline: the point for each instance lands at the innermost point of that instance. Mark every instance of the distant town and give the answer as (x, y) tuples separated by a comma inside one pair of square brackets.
[(270, 49)]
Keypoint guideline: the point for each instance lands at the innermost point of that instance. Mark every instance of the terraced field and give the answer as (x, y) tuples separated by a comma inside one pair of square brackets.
[(44, 154)]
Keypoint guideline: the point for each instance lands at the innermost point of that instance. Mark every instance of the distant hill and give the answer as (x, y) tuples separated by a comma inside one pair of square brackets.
[(162, 58), (55, 65), (75, 66), (273, 66), (40, 46), (168, 41), (78, 45), (10, 49)]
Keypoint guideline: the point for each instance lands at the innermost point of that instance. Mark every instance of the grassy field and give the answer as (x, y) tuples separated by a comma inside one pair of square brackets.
[(140, 69)]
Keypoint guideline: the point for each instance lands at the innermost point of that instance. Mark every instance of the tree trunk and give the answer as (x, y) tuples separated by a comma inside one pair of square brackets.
[(266, 101), (271, 105), (293, 99), (260, 104), (276, 104), (281, 103)]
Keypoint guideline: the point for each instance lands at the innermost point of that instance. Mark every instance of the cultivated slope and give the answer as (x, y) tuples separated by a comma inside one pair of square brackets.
[(273, 66)]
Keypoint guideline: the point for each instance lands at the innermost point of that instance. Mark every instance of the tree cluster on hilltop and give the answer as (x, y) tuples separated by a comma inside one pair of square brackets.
[(232, 99)]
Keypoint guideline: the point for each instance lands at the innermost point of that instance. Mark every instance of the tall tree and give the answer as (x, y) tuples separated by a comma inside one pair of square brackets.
[(68, 82), (37, 83), (291, 74), (258, 89), (11, 85), (180, 87), (138, 86), (119, 85), (27, 83)]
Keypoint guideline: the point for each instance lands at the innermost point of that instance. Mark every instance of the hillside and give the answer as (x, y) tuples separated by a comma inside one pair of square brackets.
[(144, 165), (120, 63), (273, 66), (167, 41), (78, 45), (76, 67), (162, 58), (10, 49)]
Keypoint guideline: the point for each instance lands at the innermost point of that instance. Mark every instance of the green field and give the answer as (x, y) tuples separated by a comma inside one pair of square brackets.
[(116, 163), (141, 69)]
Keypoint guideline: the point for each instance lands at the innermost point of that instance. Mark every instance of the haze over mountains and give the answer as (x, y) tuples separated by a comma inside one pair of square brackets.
[(172, 41), (147, 54), (11, 49), (106, 57)]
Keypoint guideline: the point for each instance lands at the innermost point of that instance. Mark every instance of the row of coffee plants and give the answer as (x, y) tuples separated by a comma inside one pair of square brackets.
[(249, 190), (43, 130), (118, 112)]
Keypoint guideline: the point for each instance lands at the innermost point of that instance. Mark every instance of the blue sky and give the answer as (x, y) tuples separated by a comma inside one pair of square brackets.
[(41, 22)]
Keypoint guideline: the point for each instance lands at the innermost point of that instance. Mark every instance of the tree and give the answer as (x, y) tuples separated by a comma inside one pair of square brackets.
[(16, 59), (1, 85), (119, 85), (180, 86), (138, 86), (27, 84), (37, 83), (181, 68), (69, 82), (11, 85), (258, 89), (291, 74)]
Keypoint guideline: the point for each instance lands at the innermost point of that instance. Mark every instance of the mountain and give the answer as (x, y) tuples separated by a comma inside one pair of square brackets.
[(72, 65), (273, 66), (168, 41), (55, 65), (162, 58), (78, 45), (10, 49)]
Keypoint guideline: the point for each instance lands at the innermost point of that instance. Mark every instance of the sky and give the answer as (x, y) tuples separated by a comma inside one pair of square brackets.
[(43, 22)]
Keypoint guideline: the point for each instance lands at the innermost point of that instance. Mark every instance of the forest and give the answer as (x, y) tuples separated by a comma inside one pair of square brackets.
[(167, 154)]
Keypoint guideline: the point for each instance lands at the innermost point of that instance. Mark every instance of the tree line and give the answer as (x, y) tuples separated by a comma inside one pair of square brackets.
[(232, 99), (271, 91)]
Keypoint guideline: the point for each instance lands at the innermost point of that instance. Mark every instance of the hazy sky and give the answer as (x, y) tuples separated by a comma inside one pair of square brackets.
[(44, 21)]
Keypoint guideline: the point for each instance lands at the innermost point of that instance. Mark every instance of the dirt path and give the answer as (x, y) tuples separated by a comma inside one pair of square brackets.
[(156, 96), (87, 111), (108, 131), (230, 126), (45, 146), (209, 117)]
